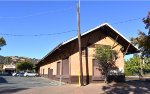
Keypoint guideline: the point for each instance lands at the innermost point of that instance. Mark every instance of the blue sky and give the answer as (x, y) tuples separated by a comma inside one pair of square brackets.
[(51, 17)]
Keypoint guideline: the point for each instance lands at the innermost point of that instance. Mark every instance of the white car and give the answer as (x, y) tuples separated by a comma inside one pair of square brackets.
[(30, 74), (14, 74)]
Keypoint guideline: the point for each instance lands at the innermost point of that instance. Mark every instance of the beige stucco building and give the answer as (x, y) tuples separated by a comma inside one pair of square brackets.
[(9, 68), (63, 60)]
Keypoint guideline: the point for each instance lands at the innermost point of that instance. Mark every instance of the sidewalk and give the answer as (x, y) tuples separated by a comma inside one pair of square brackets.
[(129, 87), (65, 89)]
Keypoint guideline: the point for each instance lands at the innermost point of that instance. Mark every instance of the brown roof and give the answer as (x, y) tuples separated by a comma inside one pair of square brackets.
[(104, 28)]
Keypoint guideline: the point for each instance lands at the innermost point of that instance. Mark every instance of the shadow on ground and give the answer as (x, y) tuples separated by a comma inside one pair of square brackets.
[(8, 89), (5, 90), (130, 87), (3, 80)]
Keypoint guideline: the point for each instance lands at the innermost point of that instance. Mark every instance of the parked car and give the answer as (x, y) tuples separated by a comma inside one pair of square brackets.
[(18, 74), (14, 74), (30, 74)]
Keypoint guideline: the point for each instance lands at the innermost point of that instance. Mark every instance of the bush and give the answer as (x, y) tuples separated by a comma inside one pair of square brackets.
[(128, 73)]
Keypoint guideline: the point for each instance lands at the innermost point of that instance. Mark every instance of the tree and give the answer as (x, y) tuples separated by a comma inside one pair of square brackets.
[(146, 65), (2, 42), (146, 21), (143, 40), (106, 59), (143, 43), (136, 65), (132, 66), (24, 66)]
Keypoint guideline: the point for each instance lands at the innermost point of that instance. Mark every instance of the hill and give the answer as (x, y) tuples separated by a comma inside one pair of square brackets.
[(15, 59)]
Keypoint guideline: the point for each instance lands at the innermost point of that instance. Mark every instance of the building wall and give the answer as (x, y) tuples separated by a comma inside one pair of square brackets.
[(74, 61), (50, 65), (91, 51), (120, 60)]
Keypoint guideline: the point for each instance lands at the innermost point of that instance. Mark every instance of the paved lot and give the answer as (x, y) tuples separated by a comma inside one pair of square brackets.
[(39, 85), (10, 84), (98, 88), (65, 89)]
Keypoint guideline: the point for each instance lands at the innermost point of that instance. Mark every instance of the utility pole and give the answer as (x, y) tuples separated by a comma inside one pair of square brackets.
[(141, 65), (80, 47), (60, 80)]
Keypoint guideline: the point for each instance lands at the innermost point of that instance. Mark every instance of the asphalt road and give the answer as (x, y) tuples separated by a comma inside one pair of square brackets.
[(10, 84)]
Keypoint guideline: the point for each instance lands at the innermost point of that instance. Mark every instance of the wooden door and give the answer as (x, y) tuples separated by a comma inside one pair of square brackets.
[(50, 73), (97, 74), (65, 67), (58, 68)]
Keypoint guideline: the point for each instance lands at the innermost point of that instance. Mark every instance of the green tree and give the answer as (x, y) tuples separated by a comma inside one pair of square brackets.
[(146, 21), (24, 66), (2, 42), (106, 59), (143, 43), (132, 66), (146, 65), (136, 65), (143, 39)]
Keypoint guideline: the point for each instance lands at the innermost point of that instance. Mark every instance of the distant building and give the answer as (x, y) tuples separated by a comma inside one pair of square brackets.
[(9, 68), (67, 55)]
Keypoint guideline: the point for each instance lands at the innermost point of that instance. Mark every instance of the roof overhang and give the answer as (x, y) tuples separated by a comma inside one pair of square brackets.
[(110, 31)]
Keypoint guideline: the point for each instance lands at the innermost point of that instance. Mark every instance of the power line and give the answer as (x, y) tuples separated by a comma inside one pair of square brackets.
[(36, 14), (35, 35), (129, 20)]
